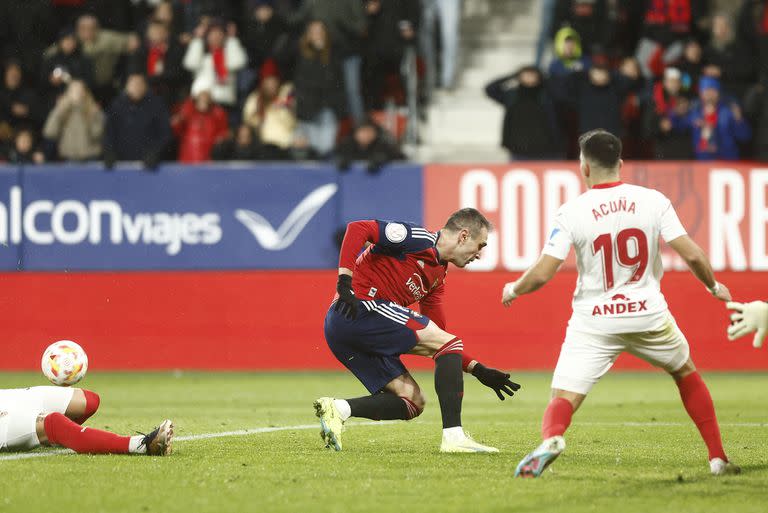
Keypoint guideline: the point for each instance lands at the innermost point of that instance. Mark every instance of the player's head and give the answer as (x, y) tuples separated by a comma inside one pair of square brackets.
[(464, 236), (600, 156)]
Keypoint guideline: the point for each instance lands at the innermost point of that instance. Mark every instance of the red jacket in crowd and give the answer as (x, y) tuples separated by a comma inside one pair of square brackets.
[(199, 131)]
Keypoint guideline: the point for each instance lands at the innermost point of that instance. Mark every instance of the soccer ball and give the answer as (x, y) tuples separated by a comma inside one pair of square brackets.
[(64, 363)]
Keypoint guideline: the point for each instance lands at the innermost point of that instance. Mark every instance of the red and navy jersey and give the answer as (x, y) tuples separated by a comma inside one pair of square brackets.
[(401, 265)]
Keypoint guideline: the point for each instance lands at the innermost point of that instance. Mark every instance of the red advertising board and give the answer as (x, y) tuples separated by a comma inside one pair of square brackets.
[(274, 319), (722, 205)]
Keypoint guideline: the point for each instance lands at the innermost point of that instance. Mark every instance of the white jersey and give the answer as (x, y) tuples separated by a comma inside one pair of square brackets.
[(615, 230)]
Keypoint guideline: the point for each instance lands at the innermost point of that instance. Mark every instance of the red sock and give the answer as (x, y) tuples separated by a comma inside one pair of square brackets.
[(92, 402), (557, 417), (698, 404), (62, 431)]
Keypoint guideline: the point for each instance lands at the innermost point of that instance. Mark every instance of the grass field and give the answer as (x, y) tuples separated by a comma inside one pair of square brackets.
[(631, 449)]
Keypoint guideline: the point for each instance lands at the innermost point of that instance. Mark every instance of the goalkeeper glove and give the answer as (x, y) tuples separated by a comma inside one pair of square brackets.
[(495, 380), (748, 317), (347, 304)]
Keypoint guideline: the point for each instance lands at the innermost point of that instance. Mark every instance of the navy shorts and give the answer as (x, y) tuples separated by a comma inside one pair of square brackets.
[(370, 345)]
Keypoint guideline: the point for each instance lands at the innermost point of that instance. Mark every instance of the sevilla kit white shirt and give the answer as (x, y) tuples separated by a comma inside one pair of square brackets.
[(615, 229)]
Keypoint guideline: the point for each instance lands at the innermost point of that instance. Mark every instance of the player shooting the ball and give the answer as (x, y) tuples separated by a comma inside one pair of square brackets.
[(618, 305), (369, 325), (30, 417)]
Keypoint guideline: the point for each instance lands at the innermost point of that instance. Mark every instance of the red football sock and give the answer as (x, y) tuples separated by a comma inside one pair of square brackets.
[(698, 404), (62, 431), (92, 402), (557, 417)]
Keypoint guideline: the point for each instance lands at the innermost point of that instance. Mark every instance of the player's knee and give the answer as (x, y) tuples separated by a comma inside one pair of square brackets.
[(415, 404), (453, 346)]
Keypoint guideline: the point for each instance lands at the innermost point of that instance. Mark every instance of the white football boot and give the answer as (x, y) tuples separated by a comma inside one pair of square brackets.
[(331, 425), (720, 467), (536, 462), (465, 444)]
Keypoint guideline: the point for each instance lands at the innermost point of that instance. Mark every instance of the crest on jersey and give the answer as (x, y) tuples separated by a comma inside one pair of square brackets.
[(421, 263), (395, 232)]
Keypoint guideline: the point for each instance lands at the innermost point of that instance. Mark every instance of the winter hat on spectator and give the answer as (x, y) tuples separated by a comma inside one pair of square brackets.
[(269, 69), (672, 74), (709, 83), (201, 84)]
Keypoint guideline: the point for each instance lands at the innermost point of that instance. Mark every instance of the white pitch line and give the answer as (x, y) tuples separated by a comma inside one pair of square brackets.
[(260, 430), (202, 436)]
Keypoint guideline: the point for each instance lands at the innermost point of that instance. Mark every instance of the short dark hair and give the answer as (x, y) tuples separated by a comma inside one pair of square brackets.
[(601, 147), (469, 218)]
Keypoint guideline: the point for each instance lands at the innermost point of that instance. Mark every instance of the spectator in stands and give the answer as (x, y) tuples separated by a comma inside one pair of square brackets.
[(345, 22), (244, 146), (264, 28), (137, 125), (756, 109), (691, 66), (716, 126), (76, 124), (445, 15), (19, 105), (568, 55), (547, 18), (199, 124), (24, 149), (587, 17), (159, 56), (104, 48), (752, 30), (667, 24), (319, 89), (530, 130), (729, 60), (631, 119), (63, 62), (268, 111), (392, 28), (596, 95), (215, 56), (370, 144), (26, 29), (667, 101)]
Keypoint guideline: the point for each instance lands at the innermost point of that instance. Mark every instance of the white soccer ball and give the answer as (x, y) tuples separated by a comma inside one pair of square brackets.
[(64, 363)]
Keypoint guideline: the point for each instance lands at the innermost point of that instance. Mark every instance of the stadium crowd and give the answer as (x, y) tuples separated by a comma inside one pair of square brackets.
[(675, 79), (200, 80), (196, 80)]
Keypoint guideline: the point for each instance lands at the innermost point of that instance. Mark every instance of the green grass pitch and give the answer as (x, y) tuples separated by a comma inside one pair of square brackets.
[(631, 449)]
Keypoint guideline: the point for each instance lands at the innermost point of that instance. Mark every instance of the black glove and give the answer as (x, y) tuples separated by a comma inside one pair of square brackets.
[(151, 160), (347, 304), (109, 160), (495, 379)]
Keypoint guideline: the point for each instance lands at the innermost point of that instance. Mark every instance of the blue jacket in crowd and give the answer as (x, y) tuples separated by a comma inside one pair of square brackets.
[(728, 132)]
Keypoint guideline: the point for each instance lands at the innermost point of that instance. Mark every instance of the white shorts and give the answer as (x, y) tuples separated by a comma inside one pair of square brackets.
[(586, 357), (19, 410)]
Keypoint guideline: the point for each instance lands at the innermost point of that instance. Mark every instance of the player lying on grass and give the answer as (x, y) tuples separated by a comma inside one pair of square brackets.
[(749, 318), (30, 417), (618, 305), (369, 324)]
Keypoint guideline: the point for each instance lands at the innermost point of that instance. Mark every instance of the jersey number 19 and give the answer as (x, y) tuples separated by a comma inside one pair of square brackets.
[(639, 260)]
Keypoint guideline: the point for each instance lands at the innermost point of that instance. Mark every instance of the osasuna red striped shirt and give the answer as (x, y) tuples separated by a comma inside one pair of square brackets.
[(401, 265)]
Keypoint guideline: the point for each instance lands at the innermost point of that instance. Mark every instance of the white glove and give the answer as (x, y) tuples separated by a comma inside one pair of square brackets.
[(748, 317)]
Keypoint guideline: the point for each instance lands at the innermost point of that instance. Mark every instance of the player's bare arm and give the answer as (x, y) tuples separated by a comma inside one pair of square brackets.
[(532, 280), (699, 265)]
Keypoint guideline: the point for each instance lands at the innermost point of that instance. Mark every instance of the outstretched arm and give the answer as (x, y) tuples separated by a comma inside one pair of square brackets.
[(699, 265), (533, 279)]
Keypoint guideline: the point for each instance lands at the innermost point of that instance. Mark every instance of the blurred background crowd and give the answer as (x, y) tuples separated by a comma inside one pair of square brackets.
[(200, 80)]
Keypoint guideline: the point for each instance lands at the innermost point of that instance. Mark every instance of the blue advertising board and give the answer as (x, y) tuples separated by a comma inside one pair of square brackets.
[(192, 217)]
